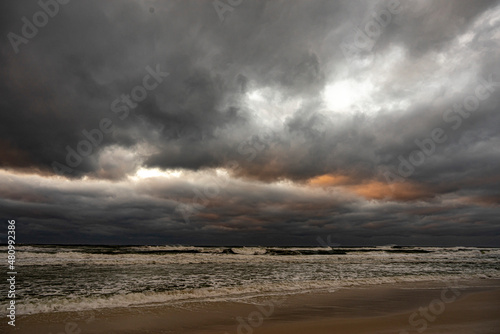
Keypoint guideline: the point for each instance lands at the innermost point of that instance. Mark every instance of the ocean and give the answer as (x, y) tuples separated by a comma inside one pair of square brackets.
[(76, 278)]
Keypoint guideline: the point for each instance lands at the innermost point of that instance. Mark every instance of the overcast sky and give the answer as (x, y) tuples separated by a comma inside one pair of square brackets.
[(251, 122)]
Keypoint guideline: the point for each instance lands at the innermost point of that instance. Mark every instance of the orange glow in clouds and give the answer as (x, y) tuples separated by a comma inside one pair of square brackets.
[(373, 189)]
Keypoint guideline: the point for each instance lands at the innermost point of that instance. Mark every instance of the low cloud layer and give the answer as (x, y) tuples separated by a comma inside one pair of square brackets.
[(181, 122)]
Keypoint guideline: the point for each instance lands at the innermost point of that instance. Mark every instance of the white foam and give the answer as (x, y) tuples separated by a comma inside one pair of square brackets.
[(229, 276), (60, 304)]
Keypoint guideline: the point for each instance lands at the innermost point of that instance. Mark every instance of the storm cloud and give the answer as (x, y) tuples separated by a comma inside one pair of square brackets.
[(258, 122)]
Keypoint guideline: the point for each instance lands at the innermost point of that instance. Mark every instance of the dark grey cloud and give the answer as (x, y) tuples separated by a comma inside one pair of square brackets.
[(266, 94), (248, 213)]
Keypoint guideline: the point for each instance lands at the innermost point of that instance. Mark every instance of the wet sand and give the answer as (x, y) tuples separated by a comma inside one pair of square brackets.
[(458, 307)]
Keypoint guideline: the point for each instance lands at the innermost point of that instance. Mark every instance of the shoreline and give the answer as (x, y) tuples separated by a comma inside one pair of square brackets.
[(362, 309), (224, 294)]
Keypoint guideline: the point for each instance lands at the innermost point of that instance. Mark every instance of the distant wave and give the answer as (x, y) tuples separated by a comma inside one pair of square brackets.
[(164, 250)]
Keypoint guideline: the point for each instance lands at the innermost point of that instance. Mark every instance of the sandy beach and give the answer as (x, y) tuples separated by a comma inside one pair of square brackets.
[(458, 307)]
